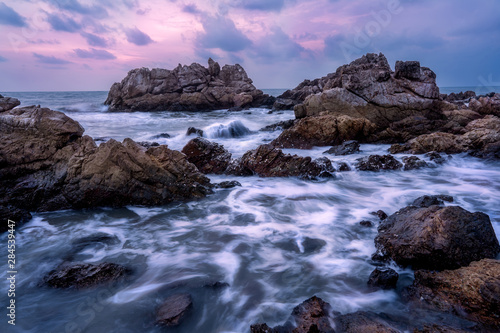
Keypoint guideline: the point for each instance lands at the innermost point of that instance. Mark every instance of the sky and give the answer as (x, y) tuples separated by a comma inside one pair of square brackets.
[(65, 45)]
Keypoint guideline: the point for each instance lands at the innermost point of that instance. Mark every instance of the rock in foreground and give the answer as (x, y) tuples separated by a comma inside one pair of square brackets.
[(437, 238), (84, 275), (209, 157), (173, 310), (186, 88)]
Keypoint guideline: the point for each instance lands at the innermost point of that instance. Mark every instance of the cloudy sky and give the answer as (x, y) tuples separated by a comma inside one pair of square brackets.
[(89, 44)]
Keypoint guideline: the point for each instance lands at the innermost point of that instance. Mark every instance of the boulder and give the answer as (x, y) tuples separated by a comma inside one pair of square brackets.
[(228, 184), (325, 130), (471, 292), (81, 276), (380, 214), (209, 157), (362, 322), (346, 148), (186, 88), (413, 162), (383, 278), (193, 130), (8, 103), (377, 163), (436, 237), (268, 161), (46, 164), (173, 310), (431, 200)]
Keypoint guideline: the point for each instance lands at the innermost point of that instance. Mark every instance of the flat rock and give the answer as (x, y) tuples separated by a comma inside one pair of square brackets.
[(84, 275), (362, 322), (173, 310)]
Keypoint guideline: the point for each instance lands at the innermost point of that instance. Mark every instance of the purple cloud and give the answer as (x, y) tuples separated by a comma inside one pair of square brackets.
[(50, 60), (264, 5), (191, 8), (137, 37), (9, 16), (75, 6), (2, 59), (63, 23), (94, 40), (277, 46), (94, 54), (221, 33)]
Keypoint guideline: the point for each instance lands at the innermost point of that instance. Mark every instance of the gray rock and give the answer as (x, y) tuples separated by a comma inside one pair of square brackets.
[(173, 310), (377, 163), (346, 148), (84, 275)]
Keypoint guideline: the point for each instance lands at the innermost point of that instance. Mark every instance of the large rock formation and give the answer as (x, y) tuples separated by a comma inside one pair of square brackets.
[(189, 88), (471, 292), (46, 164), (436, 237)]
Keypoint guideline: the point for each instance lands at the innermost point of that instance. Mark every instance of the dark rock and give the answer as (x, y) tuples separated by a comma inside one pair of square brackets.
[(209, 157), (217, 285), (431, 200), (173, 310), (186, 88), (461, 96), (384, 279), (8, 103), (9, 212), (435, 157), (471, 292), (282, 125), (312, 245), (362, 322), (234, 129), (346, 148), (408, 70), (163, 136), (413, 162), (377, 163), (64, 170), (148, 144), (193, 130), (436, 237), (91, 240), (228, 184), (486, 105), (368, 224), (380, 214), (84, 275), (267, 161), (343, 166), (284, 104), (439, 329)]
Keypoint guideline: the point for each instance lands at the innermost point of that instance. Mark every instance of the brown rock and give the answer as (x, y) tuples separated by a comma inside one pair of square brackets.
[(8, 103), (486, 105), (362, 322), (84, 275), (471, 292), (209, 157)]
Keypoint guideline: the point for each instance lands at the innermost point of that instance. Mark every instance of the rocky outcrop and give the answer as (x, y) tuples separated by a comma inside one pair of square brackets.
[(186, 88), (173, 310), (324, 130), (489, 104), (81, 276), (471, 292), (267, 161), (279, 126), (46, 164), (346, 148), (481, 138), (383, 278), (413, 162), (377, 163), (209, 157), (436, 238), (8, 103)]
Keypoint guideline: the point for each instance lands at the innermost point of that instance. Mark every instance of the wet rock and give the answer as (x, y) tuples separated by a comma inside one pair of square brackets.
[(377, 163), (186, 88), (435, 157), (209, 157), (46, 164), (325, 130), (216, 285), (173, 310), (431, 200), (162, 136), (9, 212), (343, 166), (234, 129), (84, 275), (380, 214), (8, 103), (346, 148), (312, 245), (486, 105), (282, 125), (439, 329), (367, 224), (471, 292), (383, 278), (193, 130), (362, 322), (148, 144), (413, 162), (228, 184), (436, 237), (284, 104), (267, 161)]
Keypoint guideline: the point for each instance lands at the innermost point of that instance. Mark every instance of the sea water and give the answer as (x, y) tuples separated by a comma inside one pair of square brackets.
[(274, 241)]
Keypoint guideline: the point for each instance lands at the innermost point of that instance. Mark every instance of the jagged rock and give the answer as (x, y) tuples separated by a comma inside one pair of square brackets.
[(84, 275), (284, 104), (282, 125), (471, 292), (162, 136), (346, 148), (186, 88), (431, 200), (325, 130), (459, 97), (366, 223), (173, 310), (413, 162), (228, 184), (362, 322), (267, 161), (486, 105), (436, 237), (377, 163), (457, 120), (46, 164), (193, 130), (380, 214), (435, 157), (383, 278), (8, 103), (209, 157), (409, 128), (148, 144)]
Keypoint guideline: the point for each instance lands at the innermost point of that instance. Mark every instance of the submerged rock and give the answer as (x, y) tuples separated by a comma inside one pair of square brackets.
[(471, 292), (383, 278), (377, 163), (346, 148), (267, 161), (193, 130), (436, 237), (234, 129), (186, 88), (173, 310), (84, 275), (413, 162), (209, 157), (228, 184)]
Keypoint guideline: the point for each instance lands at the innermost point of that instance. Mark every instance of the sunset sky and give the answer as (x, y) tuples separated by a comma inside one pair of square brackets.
[(88, 45)]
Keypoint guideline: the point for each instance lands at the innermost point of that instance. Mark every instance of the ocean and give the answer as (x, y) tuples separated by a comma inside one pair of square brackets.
[(274, 241)]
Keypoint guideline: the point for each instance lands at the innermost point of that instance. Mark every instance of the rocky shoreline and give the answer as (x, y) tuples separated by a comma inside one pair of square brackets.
[(47, 164)]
